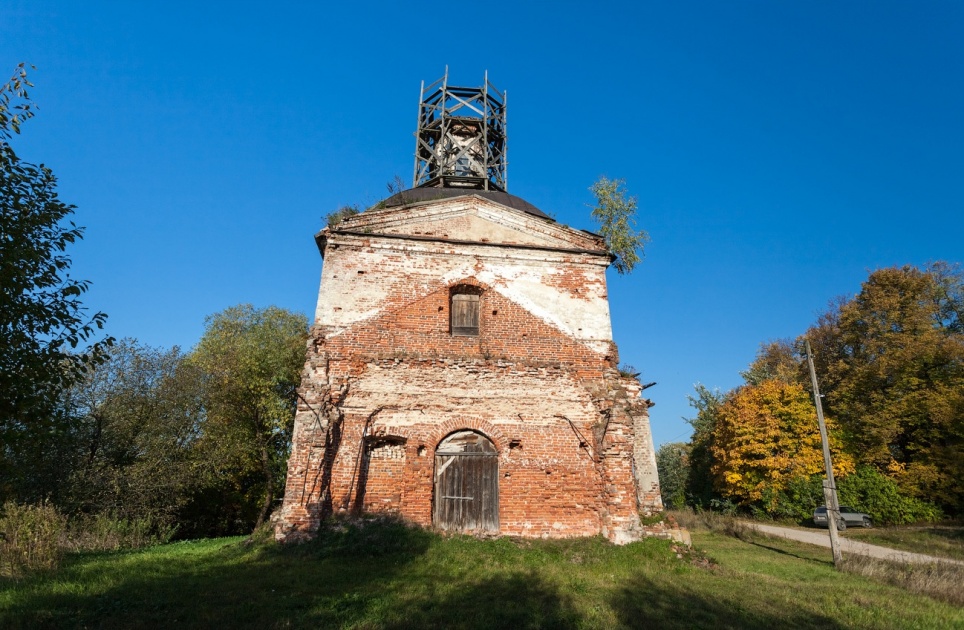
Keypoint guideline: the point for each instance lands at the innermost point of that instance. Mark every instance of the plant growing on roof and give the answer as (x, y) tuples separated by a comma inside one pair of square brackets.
[(615, 212), (339, 215)]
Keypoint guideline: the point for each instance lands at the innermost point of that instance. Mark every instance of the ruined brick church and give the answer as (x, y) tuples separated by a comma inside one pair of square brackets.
[(461, 371)]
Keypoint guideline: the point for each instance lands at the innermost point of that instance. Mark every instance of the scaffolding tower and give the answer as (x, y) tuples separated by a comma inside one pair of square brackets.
[(461, 138)]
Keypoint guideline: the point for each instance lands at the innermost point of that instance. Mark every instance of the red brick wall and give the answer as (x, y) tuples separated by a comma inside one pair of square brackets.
[(506, 331), (382, 393)]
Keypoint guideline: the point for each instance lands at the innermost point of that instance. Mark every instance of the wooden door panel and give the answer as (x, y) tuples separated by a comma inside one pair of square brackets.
[(466, 492)]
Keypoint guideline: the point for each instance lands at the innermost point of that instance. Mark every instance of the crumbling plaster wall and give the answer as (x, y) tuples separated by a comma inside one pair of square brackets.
[(363, 274), (385, 381)]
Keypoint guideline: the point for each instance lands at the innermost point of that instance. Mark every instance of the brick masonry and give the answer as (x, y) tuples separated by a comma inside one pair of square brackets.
[(385, 380)]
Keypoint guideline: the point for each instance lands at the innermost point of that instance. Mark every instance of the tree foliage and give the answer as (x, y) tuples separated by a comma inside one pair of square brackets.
[(252, 360), (776, 360), (892, 359), (615, 212), (136, 419), (891, 366), (765, 436), (43, 325), (699, 484), (673, 466), (870, 491)]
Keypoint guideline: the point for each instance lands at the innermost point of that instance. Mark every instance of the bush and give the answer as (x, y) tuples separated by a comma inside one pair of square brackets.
[(101, 532), (869, 491), (723, 506), (30, 538), (339, 215), (673, 465), (797, 501), (865, 490)]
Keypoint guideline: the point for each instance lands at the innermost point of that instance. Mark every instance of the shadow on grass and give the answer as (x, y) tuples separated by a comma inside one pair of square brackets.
[(516, 600), (645, 603), (332, 580), (385, 575), (784, 552), (354, 575)]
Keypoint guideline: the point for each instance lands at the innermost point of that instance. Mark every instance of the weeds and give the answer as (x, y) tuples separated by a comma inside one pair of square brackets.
[(333, 219), (34, 538), (712, 521), (940, 580), (30, 539), (652, 519), (101, 532)]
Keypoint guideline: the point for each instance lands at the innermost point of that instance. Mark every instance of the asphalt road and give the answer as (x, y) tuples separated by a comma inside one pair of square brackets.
[(822, 538)]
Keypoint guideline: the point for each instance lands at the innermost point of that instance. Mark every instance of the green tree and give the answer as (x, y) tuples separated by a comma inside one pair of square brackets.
[(252, 360), (892, 366), (43, 325), (615, 212), (136, 418), (776, 360), (672, 463), (699, 483)]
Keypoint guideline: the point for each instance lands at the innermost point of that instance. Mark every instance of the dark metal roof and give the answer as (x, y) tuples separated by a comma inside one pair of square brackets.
[(414, 195)]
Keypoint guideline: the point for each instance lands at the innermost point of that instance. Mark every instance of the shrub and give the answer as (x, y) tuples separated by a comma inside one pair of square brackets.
[(339, 215), (673, 465), (30, 538), (865, 490), (869, 491), (102, 532), (723, 506), (796, 501)]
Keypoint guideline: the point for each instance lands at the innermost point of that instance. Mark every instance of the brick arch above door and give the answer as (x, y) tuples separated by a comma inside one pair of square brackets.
[(484, 427)]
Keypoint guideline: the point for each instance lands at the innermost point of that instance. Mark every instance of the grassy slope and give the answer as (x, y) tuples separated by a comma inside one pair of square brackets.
[(393, 577)]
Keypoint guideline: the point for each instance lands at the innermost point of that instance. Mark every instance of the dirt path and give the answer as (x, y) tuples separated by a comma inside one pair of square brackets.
[(822, 538)]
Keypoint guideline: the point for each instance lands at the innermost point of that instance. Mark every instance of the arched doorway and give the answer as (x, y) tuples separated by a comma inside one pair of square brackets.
[(466, 484)]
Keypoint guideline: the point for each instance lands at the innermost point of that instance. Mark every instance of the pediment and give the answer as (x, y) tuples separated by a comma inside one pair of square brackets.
[(473, 219)]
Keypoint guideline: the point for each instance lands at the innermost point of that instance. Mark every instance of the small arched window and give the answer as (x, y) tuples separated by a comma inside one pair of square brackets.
[(465, 311)]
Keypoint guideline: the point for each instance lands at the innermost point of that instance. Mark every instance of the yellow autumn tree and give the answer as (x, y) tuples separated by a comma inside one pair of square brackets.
[(765, 436)]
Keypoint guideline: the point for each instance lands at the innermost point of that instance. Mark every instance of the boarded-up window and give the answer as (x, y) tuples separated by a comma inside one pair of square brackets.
[(465, 314)]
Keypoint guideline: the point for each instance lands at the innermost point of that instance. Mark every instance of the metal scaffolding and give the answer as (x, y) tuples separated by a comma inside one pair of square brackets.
[(461, 137)]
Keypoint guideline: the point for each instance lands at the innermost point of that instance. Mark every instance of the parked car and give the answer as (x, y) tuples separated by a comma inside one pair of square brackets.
[(848, 516)]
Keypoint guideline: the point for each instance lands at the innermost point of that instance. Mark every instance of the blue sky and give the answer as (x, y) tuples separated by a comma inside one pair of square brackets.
[(780, 151)]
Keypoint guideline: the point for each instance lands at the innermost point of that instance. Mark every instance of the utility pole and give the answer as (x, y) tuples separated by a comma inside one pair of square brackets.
[(829, 485)]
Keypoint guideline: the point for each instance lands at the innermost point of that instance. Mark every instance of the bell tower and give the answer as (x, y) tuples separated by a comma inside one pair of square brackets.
[(461, 138)]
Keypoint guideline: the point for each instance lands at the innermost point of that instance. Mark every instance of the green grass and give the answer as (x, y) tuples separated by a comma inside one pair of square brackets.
[(385, 575), (944, 541)]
